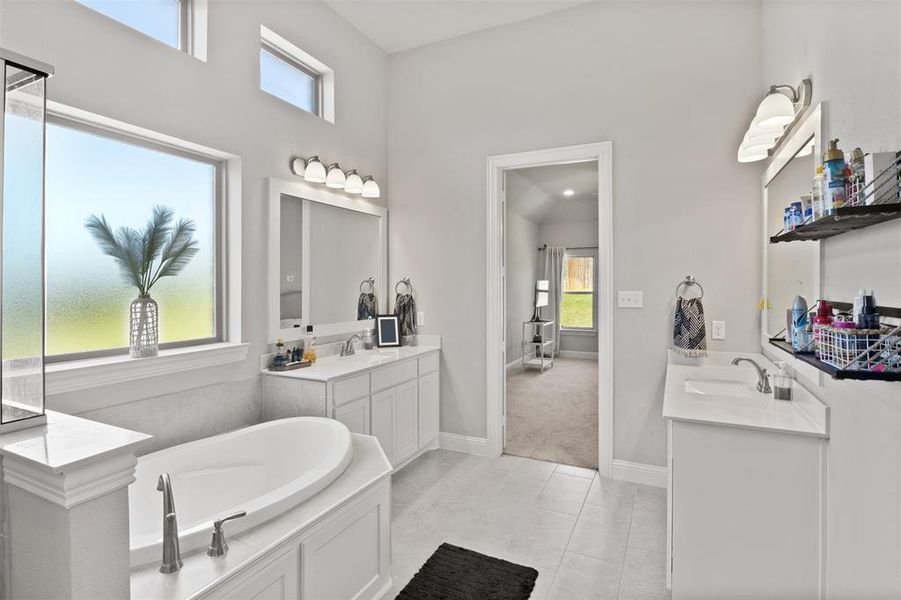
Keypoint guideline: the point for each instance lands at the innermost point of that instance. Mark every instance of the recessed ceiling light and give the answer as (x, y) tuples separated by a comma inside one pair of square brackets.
[(568, 192)]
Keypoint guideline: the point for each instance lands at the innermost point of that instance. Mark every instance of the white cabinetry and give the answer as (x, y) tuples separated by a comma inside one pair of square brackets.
[(355, 415), (428, 407), (406, 421), (383, 421)]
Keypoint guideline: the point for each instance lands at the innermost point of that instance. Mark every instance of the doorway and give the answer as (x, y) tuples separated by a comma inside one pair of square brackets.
[(599, 309)]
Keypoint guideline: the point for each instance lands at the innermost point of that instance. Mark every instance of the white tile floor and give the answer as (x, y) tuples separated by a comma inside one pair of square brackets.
[(588, 537)]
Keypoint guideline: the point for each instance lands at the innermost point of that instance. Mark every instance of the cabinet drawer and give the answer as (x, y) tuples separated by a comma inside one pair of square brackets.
[(394, 375), (351, 388), (428, 364)]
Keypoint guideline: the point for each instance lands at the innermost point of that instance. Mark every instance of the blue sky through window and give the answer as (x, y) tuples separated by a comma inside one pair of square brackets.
[(157, 18), (287, 82)]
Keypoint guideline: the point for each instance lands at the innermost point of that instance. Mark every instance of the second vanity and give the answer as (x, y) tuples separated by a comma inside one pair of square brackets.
[(745, 482), (389, 393)]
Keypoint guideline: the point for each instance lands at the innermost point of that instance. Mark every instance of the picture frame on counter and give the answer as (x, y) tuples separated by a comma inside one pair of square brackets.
[(387, 331)]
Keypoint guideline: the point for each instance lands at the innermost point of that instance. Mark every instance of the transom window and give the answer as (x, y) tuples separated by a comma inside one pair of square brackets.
[(92, 172), (579, 290), (289, 79), (164, 20)]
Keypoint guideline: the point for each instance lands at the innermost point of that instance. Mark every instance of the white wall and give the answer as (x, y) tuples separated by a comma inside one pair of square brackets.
[(859, 76), (107, 68), (521, 236), (582, 234), (673, 86)]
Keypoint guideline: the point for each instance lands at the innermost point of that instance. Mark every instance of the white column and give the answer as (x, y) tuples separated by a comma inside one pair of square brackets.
[(67, 508)]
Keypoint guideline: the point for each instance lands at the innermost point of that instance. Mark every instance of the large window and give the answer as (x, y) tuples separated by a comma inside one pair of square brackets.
[(579, 290), (165, 20), (93, 173)]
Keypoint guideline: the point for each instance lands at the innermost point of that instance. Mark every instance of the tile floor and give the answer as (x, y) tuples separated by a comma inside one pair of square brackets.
[(589, 538)]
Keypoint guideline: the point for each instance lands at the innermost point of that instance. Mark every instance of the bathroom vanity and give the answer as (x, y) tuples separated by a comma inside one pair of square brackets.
[(390, 393), (745, 482)]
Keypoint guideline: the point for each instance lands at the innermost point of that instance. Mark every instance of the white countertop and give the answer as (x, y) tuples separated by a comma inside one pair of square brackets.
[(200, 572), (334, 367), (803, 415)]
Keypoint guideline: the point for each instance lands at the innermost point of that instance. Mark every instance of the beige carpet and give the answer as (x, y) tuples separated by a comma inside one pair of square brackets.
[(553, 415)]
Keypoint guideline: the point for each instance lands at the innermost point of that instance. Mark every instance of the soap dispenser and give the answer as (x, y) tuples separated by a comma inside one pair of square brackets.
[(782, 383)]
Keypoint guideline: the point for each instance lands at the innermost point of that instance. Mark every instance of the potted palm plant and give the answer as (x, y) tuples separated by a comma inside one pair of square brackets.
[(145, 257)]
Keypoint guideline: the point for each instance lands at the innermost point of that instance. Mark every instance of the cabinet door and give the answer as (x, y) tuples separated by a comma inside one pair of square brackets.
[(382, 421), (277, 580), (355, 415), (428, 408), (406, 421)]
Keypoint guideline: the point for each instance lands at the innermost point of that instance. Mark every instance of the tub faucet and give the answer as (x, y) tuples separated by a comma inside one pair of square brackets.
[(218, 546), (763, 382), (171, 554), (348, 349)]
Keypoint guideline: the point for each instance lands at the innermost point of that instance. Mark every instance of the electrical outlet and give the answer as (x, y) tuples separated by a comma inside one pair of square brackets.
[(289, 278), (627, 299), (420, 318), (719, 330)]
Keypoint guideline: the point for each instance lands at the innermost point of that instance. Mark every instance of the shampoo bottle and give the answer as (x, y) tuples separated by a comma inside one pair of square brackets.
[(834, 173), (800, 340)]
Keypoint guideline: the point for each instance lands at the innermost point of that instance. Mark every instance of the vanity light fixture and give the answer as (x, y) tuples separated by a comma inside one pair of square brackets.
[(568, 192), (314, 171), (353, 182), (370, 187), (776, 113), (335, 178)]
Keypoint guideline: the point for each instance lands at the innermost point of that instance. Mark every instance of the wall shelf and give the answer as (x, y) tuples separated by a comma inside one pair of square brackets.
[(845, 219), (834, 372)]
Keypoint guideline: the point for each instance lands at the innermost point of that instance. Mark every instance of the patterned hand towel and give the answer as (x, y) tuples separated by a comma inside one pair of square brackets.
[(405, 309), (689, 331), (367, 306)]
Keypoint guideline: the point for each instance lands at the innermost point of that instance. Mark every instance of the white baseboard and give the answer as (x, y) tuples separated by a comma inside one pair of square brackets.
[(465, 443), (578, 354), (512, 365), (634, 472)]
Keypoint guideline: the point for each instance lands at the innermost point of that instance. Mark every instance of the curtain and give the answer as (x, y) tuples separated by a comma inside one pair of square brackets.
[(553, 272)]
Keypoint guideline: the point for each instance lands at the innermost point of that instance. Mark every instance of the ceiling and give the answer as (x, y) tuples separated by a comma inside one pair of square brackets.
[(397, 25), (536, 193)]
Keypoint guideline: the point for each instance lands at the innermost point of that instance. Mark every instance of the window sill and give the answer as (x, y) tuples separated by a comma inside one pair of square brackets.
[(109, 370), (592, 332)]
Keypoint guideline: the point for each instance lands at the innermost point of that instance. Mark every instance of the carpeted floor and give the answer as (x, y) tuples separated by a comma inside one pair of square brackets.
[(553, 415)]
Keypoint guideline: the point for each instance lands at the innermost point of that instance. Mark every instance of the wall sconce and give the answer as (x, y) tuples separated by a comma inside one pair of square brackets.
[(335, 177), (314, 172), (370, 187), (776, 113), (353, 182)]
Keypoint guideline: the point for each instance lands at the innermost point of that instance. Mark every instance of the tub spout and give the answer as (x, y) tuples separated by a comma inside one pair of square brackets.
[(171, 554)]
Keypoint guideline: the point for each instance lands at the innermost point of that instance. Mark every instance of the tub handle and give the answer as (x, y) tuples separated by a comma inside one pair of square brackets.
[(218, 546)]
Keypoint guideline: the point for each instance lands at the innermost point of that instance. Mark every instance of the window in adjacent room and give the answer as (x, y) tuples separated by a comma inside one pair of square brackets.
[(164, 20), (579, 290), (289, 73), (92, 172)]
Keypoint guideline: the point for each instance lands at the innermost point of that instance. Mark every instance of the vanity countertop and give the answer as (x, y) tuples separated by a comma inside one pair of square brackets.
[(335, 367), (727, 395)]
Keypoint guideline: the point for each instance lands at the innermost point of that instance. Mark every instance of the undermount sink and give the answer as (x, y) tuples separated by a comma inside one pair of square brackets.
[(718, 387)]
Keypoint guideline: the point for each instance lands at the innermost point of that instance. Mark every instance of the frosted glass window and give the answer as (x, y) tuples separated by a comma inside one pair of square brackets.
[(160, 19), (288, 80), (87, 300)]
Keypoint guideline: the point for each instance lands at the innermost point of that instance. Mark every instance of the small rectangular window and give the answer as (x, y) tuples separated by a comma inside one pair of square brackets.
[(288, 79), (164, 20), (579, 291)]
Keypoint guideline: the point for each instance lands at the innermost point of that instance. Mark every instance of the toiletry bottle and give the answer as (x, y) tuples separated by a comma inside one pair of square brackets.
[(310, 353), (799, 324), (782, 383), (823, 319), (280, 359), (857, 179), (817, 194), (807, 207), (858, 303), (868, 318), (834, 173), (367, 339)]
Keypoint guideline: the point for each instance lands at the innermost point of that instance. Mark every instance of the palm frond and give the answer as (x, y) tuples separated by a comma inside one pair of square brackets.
[(155, 233), (115, 247), (178, 251)]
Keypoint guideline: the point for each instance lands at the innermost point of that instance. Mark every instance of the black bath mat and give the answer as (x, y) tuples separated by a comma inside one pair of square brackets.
[(454, 573)]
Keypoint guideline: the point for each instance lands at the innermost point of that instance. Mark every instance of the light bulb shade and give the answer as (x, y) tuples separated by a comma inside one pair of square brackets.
[(757, 129), (335, 178), (315, 171), (752, 153), (776, 109), (370, 187), (353, 183), (767, 138)]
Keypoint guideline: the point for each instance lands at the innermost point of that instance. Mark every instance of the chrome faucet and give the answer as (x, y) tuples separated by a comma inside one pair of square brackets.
[(348, 348), (763, 382), (218, 546), (171, 554)]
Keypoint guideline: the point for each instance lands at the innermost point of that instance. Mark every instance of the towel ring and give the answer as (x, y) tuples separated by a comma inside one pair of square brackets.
[(370, 282), (688, 282), (405, 281)]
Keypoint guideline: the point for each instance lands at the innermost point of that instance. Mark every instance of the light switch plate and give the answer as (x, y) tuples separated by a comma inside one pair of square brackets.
[(719, 330), (629, 299), (420, 318)]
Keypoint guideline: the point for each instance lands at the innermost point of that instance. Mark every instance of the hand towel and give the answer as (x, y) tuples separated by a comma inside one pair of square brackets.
[(689, 331), (367, 306), (405, 309)]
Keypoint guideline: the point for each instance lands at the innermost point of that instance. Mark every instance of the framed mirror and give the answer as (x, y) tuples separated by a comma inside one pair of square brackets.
[(327, 261), (790, 269)]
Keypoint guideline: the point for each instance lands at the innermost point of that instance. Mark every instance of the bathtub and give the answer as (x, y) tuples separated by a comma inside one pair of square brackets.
[(264, 469)]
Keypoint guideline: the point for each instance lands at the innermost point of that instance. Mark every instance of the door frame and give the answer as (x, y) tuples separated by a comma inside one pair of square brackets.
[(602, 152)]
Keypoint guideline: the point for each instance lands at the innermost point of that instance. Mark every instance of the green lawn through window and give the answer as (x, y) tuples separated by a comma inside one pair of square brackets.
[(577, 311)]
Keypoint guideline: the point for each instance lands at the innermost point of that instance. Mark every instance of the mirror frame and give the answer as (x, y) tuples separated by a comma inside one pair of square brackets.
[(811, 126), (302, 190)]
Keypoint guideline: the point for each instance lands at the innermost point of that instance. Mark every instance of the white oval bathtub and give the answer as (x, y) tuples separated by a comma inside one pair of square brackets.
[(264, 469)]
